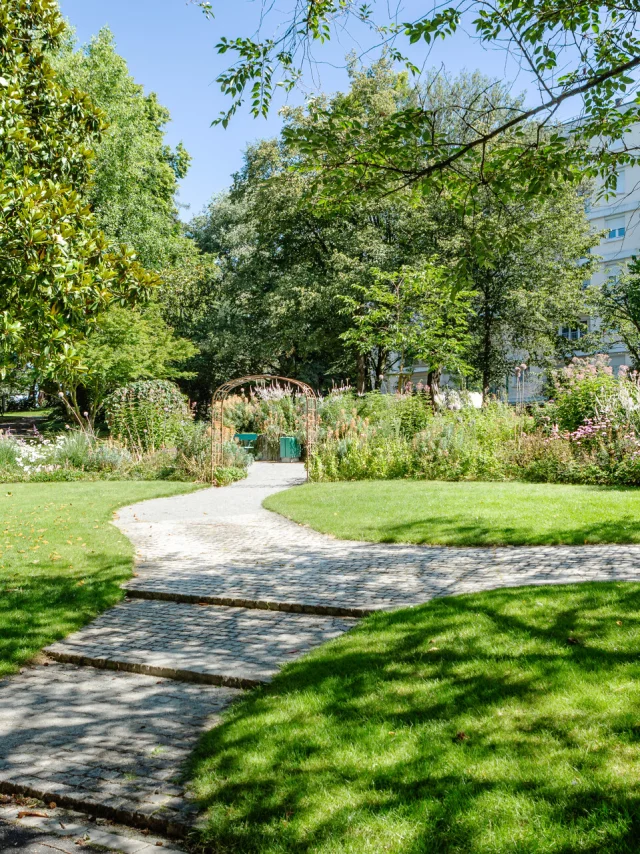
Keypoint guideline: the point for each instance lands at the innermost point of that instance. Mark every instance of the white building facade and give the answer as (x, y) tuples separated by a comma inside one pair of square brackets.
[(619, 218)]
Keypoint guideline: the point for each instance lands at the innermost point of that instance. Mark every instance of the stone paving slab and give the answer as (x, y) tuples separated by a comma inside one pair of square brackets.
[(64, 829), (224, 646), (222, 546), (109, 744)]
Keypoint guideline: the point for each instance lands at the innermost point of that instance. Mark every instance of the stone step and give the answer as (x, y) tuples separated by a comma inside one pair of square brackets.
[(160, 594), (236, 647), (112, 745)]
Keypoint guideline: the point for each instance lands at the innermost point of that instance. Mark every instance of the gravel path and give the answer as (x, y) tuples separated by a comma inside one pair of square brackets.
[(223, 547), (225, 593)]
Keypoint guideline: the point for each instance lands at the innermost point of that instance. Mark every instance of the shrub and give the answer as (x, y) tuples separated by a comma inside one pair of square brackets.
[(147, 415), (466, 445), (193, 457), (72, 450), (579, 389), (9, 452)]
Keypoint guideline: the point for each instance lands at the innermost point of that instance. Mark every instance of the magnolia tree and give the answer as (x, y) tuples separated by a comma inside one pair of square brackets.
[(58, 272)]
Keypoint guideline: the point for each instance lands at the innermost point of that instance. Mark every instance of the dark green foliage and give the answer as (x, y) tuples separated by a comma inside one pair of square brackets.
[(57, 269)]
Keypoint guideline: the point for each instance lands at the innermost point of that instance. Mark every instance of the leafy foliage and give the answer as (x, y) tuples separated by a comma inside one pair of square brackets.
[(125, 345), (288, 267), (581, 53), (147, 415), (617, 303), (57, 269), (579, 391), (135, 174), (420, 315)]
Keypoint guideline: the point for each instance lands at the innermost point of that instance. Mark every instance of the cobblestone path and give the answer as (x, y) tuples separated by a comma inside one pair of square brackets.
[(225, 593)]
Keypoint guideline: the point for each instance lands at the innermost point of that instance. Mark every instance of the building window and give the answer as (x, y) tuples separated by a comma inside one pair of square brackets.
[(615, 227), (620, 182), (612, 273), (571, 333)]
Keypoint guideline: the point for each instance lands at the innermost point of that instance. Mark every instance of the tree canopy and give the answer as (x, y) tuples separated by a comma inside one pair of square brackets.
[(297, 283), (135, 175), (58, 271), (582, 54)]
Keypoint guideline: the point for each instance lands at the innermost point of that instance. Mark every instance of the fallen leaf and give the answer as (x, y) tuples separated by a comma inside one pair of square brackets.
[(618, 622), (27, 813), (53, 804), (461, 736), (573, 641)]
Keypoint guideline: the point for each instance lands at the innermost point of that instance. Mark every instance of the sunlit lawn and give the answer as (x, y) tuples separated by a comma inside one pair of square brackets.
[(495, 723), (61, 561), (463, 514)]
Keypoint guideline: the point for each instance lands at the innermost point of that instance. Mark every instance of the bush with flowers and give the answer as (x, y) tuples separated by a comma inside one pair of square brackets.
[(81, 455), (589, 432), (270, 411), (153, 438), (395, 436)]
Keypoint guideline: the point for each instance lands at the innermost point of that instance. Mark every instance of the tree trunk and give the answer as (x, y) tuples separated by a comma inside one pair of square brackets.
[(486, 355), (433, 383), (380, 365), (362, 374)]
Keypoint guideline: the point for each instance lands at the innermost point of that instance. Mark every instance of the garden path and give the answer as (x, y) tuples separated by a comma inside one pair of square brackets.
[(224, 594)]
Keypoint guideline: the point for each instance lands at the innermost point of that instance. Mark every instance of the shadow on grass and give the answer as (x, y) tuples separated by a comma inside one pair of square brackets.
[(448, 530), (495, 722), (39, 608)]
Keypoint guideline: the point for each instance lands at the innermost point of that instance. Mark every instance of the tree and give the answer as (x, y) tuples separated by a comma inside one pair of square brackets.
[(527, 263), (583, 54), (284, 266), (125, 345), (414, 315), (135, 176), (617, 304), (286, 263), (58, 272)]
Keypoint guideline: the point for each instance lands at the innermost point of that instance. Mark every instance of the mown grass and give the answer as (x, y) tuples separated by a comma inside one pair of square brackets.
[(495, 723), (61, 561), (26, 413), (465, 514)]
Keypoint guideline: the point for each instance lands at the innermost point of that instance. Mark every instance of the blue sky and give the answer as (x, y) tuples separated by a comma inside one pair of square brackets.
[(170, 48)]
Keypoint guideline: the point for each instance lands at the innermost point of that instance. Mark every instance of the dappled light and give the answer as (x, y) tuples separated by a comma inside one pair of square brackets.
[(502, 721)]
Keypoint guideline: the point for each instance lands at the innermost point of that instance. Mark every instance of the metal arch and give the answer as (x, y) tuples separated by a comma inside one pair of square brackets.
[(220, 395)]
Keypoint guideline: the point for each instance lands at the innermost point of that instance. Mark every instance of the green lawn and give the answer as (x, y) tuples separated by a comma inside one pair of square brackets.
[(497, 723), (61, 562), (464, 514), (27, 413)]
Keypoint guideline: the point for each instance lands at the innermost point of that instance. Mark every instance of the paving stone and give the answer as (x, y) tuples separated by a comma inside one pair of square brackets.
[(104, 721), (235, 646), (58, 829), (222, 546), (114, 743)]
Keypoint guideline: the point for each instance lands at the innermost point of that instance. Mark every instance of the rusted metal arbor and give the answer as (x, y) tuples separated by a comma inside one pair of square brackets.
[(223, 392)]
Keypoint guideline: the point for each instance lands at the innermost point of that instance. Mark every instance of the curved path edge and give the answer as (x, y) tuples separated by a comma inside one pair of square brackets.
[(224, 594)]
